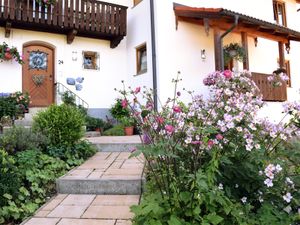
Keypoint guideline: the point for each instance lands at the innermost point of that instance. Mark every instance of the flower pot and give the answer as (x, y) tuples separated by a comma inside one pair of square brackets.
[(7, 56), (232, 53), (128, 131)]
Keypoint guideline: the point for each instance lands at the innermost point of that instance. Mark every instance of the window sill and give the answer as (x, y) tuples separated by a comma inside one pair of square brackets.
[(140, 73)]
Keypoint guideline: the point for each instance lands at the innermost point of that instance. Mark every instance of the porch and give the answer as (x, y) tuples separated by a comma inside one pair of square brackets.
[(223, 22), (86, 18)]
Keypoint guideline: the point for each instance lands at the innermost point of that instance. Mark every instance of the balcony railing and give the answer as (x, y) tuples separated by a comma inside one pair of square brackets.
[(88, 18), (269, 92)]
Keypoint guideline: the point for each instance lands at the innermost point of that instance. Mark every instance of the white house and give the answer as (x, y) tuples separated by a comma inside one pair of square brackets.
[(144, 42)]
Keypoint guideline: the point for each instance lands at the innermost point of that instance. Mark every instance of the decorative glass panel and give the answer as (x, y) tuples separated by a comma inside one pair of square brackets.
[(38, 60)]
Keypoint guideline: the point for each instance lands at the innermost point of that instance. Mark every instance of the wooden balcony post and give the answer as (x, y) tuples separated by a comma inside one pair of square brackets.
[(245, 46), (281, 55), (218, 49)]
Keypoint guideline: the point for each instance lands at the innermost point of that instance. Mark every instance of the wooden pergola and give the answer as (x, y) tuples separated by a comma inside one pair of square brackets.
[(224, 21)]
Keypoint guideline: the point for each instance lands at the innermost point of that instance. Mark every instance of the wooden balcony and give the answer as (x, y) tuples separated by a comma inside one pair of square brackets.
[(86, 18), (269, 92)]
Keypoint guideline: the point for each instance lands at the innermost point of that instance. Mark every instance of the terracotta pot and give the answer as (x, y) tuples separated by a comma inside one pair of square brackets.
[(128, 131), (8, 56)]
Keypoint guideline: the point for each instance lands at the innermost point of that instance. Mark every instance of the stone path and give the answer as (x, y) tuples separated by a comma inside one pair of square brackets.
[(86, 210), (105, 173), (99, 192), (115, 143)]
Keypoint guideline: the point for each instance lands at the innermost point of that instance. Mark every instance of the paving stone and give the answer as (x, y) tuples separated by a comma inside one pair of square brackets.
[(78, 200), (66, 211), (42, 213), (96, 174), (108, 212), (116, 200), (42, 221), (54, 202), (123, 172), (123, 222), (86, 222)]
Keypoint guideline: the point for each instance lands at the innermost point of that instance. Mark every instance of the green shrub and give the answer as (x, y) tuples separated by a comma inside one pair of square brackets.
[(92, 123), (73, 155), (9, 177), (13, 104), (68, 98), (117, 130), (19, 139), (62, 124), (37, 172), (118, 111)]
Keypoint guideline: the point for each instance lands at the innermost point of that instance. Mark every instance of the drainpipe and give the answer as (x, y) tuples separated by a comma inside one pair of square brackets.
[(153, 44), (236, 20)]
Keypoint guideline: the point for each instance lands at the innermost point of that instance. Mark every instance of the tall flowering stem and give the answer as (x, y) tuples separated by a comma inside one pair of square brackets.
[(210, 139)]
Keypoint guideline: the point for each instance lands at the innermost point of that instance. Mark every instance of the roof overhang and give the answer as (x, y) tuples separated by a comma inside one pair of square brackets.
[(223, 19)]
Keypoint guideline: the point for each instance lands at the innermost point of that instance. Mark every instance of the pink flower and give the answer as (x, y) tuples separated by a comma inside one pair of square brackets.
[(227, 74), (137, 90), (210, 143), (170, 129), (7, 49), (124, 103), (196, 142), (160, 120), (219, 137), (177, 109)]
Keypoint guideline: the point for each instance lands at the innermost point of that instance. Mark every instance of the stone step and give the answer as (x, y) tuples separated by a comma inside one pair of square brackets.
[(115, 143), (85, 210), (105, 173)]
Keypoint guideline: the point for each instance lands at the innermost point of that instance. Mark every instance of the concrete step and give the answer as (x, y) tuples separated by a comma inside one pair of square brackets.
[(85, 210), (28, 117), (115, 143), (109, 173)]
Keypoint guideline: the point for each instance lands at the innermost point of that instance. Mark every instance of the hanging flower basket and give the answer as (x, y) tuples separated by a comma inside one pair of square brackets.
[(46, 2), (8, 53), (233, 51)]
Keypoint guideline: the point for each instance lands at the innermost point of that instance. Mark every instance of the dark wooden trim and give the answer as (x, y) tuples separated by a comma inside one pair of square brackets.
[(90, 18), (71, 35), (281, 55), (115, 42), (7, 29), (218, 49), (245, 46)]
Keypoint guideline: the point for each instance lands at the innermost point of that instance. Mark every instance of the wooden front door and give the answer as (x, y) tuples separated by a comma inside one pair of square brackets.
[(38, 74)]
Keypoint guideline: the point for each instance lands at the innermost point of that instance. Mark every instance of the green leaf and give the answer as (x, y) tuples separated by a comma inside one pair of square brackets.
[(174, 221), (214, 219), (8, 196)]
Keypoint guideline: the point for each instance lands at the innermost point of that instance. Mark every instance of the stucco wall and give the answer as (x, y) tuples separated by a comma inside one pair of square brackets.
[(179, 50)]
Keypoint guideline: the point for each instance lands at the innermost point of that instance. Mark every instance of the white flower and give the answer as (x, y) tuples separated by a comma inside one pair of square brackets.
[(287, 197), (244, 199), (260, 173), (268, 182), (188, 140), (227, 108), (236, 186), (252, 126), (239, 129), (278, 168), (260, 199), (220, 186), (257, 146), (289, 181), (228, 92)]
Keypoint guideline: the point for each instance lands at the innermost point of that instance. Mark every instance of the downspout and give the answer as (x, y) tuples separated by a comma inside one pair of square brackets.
[(236, 20), (153, 44)]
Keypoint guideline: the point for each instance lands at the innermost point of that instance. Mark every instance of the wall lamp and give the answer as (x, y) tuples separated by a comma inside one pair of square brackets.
[(203, 54)]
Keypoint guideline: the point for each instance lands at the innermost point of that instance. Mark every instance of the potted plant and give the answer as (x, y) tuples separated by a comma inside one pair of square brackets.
[(233, 51), (128, 123), (8, 53)]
